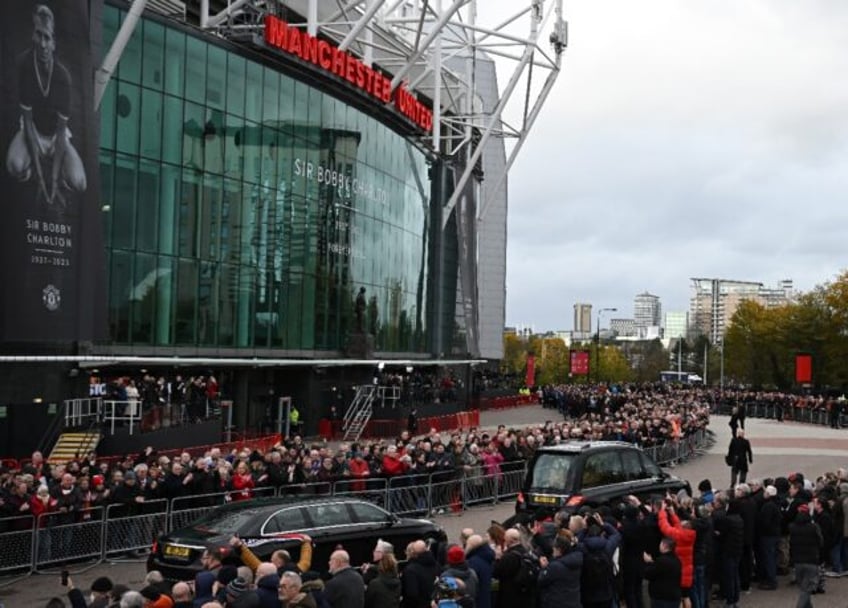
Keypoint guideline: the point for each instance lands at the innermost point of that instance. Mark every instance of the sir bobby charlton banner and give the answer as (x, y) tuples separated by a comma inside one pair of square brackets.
[(52, 266)]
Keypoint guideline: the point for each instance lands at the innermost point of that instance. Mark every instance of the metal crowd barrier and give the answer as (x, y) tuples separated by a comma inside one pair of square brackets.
[(108, 533), (806, 415)]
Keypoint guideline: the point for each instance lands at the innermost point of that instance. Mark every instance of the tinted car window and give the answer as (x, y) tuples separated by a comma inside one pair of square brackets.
[(365, 513), (228, 521), (632, 465), (602, 468), (285, 521), (550, 472), (334, 514), (651, 468)]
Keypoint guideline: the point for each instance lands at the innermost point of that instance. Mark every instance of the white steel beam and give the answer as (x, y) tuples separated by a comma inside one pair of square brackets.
[(110, 61), (362, 23)]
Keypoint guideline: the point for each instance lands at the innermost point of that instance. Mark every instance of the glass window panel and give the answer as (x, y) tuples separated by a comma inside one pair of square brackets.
[(166, 281), (207, 304), (172, 133), (307, 308), (252, 145), (195, 69), (194, 125), (147, 221), (120, 280), (216, 79), (123, 205), (107, 115), (129, 112), (287, 117), (154, 54), (111, 23), (253, 92), (236, 68), (107, 180), (315, 111), (301, 108), (210, 217), (169, 197), (151, 120), (129, 67), (245, 292), (213, 142), (184, 322), (270, 98), (143, 298), (233, 146), (189, 214), (227, 305), (175, 66), (269, 158), (231, 222)]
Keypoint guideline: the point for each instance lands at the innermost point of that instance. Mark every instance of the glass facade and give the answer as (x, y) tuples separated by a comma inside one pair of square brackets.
[(245, 209)]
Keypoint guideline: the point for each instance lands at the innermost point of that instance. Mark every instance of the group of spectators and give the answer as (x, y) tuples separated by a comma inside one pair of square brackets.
[(780, 405), (177, 399), (674, 549)]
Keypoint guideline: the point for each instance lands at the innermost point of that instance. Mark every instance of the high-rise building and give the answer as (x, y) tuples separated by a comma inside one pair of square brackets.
[(623, 328), (714, 302), (582, 318), (647, 310), (676, 325)]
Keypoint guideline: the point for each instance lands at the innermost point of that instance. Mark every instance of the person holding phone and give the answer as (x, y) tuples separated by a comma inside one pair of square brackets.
[(98, 597)]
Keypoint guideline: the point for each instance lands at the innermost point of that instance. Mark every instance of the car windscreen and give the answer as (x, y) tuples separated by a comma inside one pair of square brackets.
[(228, 521), (550, 473)]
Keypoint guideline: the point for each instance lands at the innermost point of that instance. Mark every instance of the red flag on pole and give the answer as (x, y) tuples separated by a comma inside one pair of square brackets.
[(530, 380)]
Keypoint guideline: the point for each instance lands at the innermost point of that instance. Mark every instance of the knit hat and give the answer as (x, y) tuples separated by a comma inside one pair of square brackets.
[(455, 555), (101, 585), (236, 587), (770, 491), (226, 574)]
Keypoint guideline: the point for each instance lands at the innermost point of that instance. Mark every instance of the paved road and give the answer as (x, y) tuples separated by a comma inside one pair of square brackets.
[(779, 448)]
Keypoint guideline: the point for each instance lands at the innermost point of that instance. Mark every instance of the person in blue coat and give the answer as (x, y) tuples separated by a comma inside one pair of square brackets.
[(559, 580), (480, 557)]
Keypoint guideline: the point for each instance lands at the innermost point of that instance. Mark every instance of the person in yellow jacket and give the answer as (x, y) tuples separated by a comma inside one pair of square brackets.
[(281, 558)]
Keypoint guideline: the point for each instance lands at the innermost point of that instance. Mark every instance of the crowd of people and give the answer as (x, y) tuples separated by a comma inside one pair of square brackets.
[(674, 549)]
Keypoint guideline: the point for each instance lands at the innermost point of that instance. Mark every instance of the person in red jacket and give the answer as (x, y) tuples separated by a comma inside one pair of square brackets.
[(359, 471), (392, 463), (684, 549), (242, 482)]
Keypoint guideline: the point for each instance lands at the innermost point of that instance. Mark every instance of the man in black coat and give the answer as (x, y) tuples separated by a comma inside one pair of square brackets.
[(418, 576), (345, 589), (768, 532), (663, 576), (559, 580), (507, 569), (739, 455), (729, 541), (805, 543), (747, 510)]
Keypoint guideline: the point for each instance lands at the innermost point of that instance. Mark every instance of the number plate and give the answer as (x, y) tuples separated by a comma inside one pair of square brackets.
[(175, 551), (545, 500)]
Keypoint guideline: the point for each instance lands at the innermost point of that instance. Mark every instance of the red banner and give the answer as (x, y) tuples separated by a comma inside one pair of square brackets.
[(579, 363), (803, 368), (530, 379)]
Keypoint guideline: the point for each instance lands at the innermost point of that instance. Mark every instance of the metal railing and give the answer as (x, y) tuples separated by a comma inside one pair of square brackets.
[(120, 531), (806, 415)]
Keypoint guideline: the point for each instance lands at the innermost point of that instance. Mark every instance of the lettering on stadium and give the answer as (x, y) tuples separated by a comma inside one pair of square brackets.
[(281, 35)]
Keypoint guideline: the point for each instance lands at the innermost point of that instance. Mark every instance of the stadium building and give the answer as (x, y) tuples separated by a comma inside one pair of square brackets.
[(293, 196)]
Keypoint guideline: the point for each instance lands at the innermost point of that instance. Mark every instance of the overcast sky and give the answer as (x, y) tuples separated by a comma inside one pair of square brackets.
[(683, 138)]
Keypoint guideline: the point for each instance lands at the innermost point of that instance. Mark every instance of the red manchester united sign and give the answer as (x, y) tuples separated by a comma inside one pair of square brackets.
[(331, 59)]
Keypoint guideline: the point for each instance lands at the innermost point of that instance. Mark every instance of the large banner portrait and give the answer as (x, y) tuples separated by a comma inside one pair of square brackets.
[(53, 259)]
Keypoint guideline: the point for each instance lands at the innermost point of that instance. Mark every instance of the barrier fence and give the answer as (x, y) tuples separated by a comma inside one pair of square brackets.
[(806, 415), (121, 531)]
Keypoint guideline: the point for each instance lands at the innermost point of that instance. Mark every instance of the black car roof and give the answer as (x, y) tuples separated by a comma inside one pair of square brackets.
[(584, 446), (270, 503)]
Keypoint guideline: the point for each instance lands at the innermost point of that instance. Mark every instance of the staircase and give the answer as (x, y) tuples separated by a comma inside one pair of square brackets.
[(359, 412), (73, 445)]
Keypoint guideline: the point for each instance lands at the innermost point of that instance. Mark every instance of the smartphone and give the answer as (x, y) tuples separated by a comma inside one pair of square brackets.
[(65, 575)]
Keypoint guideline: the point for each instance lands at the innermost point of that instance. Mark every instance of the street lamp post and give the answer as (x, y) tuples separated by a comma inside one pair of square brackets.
[(598, 349)]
